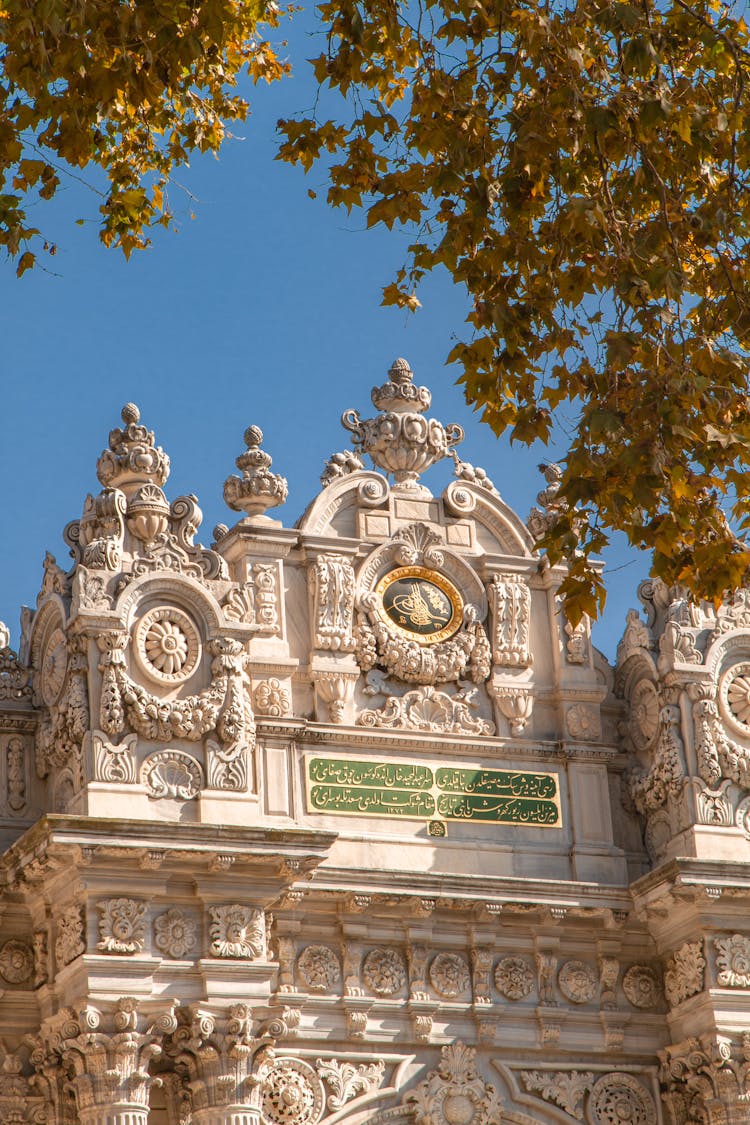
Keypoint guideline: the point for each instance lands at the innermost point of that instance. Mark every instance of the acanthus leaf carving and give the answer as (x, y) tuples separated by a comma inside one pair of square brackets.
[(455, 1091), (684, 974), (114, 762), (348, 1081), (650, 789), (565, 1088)]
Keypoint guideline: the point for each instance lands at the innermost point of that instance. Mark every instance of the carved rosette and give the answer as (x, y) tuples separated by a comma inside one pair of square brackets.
[(319, 968), (449, 975), (618, 1097), (384, 971), (577, 981), (514, 978), (167, 645), (292, 1093), (175, 933), (642, 987)]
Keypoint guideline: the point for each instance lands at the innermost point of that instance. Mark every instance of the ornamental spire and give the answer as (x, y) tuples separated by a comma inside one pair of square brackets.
[(133, 458), (400, 440)]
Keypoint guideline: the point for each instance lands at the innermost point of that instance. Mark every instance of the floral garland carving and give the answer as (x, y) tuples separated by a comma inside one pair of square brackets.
[(222, 707)]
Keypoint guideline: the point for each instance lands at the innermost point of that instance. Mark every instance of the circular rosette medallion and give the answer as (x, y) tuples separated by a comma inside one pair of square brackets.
[(419, 604), (734, 697), (167, 645)]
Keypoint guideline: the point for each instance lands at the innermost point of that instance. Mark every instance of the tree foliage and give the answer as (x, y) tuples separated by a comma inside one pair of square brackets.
[(130, 87), (583, 169)]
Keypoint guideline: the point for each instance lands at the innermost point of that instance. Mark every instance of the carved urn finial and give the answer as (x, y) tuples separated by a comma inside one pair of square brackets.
[(258, 488), (133, 458), (399, 440)]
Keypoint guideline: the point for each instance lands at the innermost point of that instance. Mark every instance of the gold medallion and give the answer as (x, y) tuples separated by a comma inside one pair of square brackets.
[(419, 604)]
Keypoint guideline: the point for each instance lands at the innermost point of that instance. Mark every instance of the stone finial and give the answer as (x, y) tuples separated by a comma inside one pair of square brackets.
[(133, 458), (399, 393), (399, 440), (258, 488)]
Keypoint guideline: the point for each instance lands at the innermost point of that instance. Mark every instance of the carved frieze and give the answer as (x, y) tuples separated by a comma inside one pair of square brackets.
[(167, 645), (566, 1088), (16, 962), (70, 939), (577, 980), (347, 1080), (449, 975)]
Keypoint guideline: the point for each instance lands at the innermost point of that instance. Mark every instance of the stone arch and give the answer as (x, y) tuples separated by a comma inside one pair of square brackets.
[(463, 498), (364, 488)]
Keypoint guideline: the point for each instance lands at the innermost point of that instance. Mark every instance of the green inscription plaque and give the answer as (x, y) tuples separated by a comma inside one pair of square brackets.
[(352, 787)]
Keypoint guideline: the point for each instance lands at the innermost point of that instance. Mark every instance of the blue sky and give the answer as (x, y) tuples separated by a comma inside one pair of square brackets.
[(264, 309)]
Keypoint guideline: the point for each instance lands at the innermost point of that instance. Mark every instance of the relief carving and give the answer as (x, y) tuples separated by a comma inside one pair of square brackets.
[(565, 1088), (319, 968), (427, 709), (270, 698), (449, 975), (514, 978), (642, 987), (733, 961), (15, 680), (70, 941), (175, 933), (348, 1081), (384, 971), (224, 708), (237, 931), (455, 1092), (684, 973), (122, 927), (15, 782), (292, 1093), (332, 590), (172, 773), (618, 1097), (510, 598), (16, 962), (577, 981)]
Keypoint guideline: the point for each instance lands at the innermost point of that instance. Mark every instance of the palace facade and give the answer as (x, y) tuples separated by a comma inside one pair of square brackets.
[(341, 823)]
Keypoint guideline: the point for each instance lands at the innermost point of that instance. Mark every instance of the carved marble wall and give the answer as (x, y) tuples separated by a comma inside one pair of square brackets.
[(342, 822)]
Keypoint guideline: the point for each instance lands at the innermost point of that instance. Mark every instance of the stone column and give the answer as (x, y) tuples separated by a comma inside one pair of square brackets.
[(105, 1071), (218, 1054)]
